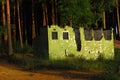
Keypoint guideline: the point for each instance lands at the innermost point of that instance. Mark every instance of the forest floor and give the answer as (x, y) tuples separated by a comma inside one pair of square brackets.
[(11, 72)]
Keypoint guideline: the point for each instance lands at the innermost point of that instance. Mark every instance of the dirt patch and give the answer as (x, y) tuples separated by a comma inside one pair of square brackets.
[(11, 72), (117, 43)]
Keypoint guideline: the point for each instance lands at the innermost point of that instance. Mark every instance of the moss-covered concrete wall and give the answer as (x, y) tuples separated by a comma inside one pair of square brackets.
[(61, 48), (95, 49)]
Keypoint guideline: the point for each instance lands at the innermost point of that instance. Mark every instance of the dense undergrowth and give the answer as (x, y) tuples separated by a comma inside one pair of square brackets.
[(110, 68)]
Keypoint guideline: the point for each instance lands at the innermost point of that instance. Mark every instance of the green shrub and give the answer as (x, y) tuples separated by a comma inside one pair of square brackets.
[(24, 61), (25, 49), (117, 54), (109, 76), (3, 49)]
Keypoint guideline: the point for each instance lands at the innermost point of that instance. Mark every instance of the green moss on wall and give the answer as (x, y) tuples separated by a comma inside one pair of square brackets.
[(61, 48)]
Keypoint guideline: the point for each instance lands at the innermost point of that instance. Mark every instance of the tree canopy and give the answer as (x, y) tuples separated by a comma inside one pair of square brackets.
[(76, 10), (83, 12), (99, 6)]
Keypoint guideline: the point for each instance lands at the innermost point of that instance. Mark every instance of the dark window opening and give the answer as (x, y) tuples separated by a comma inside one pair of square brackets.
[(97, 34), (65, 35), (107, 34), (54, 35), (88, 34)]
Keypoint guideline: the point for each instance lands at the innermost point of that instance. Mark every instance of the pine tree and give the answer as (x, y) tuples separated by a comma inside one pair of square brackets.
[(9, 28)]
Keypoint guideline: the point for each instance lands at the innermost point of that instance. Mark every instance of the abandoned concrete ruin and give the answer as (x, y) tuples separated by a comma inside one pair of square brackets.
[(55, 42)]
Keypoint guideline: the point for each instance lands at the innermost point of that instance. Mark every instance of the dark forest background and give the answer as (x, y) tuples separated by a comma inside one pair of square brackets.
[(21, 20)]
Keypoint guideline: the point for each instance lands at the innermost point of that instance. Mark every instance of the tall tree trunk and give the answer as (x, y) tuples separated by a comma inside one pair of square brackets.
[(53, 11), (33, 22), (118, 20), (25, 30), (9, 28), (56, 12), (3, 14), (4, 20), (114, 24), (44, 14), (96, 21), (19, 24), (70, 21), (104, 20), (14, 29)]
